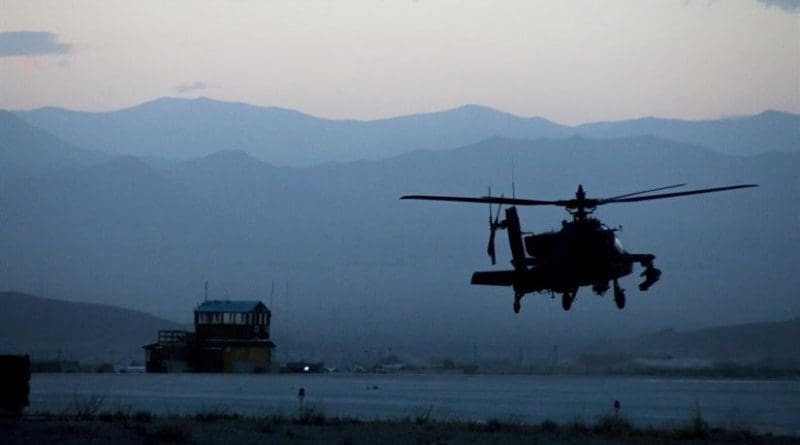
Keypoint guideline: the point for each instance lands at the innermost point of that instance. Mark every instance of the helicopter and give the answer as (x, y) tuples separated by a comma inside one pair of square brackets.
[(585, 252)]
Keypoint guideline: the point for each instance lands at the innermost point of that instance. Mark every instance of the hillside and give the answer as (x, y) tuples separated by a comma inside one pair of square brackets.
[(49, 329), (750, 342), (28, 151)]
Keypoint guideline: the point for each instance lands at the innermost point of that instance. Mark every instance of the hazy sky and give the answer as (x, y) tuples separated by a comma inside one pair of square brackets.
[(570, 61)]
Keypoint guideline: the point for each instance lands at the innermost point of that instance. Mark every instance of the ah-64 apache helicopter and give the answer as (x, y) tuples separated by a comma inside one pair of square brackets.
[(584, 252)]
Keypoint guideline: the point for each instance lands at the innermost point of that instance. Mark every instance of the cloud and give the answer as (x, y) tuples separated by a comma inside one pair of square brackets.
[(31, 43), (786, 5), (190, 86)]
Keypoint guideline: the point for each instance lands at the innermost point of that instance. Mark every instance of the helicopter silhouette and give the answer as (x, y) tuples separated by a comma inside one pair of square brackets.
[(585, 252)]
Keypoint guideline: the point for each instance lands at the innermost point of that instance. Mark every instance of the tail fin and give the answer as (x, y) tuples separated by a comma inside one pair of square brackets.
[(515, 239)]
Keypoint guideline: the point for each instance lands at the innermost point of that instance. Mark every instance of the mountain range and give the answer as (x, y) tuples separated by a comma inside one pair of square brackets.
[(189, 128), (355, 269)]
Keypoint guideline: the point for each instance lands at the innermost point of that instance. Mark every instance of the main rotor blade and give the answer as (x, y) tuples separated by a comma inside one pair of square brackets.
[(676, 194), (639, 193), (485, 200)]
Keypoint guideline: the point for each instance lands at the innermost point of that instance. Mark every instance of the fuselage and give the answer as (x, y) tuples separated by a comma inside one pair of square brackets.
[(583, 253)]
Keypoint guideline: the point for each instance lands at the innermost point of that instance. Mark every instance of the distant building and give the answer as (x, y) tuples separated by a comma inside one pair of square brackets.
[(229, 336)]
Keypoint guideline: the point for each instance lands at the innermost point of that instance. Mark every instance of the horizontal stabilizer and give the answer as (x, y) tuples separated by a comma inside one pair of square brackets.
[(641, 258), (499, 278)]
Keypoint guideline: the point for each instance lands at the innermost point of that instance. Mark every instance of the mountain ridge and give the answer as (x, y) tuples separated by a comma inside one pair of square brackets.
[(188, 128), (467, 106)]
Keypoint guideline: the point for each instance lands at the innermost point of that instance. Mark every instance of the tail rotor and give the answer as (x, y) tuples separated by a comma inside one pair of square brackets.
[(494, 224)]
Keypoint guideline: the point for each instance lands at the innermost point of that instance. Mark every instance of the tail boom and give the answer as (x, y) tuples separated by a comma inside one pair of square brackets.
[(494, 278)]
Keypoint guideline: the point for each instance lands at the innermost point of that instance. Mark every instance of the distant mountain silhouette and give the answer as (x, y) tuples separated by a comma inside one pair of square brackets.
[(26, 150), (767, 131), (49, 329), (364, 267), (190, 128)]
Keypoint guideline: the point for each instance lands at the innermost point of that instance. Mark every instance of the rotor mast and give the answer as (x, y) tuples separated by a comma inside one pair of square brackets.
[(580, 207)]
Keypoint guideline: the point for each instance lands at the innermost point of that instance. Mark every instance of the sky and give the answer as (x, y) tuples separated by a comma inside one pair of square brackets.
[(568, 61)]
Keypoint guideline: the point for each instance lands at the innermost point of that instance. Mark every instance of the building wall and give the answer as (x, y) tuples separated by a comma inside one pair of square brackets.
[(168, 359), (246, 359), (212, 331)]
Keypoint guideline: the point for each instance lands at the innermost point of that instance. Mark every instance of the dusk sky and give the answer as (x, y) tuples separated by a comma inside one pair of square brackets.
[(569, 61)]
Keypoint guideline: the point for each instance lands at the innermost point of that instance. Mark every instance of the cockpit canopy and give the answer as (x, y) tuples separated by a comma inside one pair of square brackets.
[(542, 245)]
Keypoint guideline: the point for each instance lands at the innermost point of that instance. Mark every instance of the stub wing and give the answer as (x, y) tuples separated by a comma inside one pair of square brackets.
[(494, 278), (642, 258)]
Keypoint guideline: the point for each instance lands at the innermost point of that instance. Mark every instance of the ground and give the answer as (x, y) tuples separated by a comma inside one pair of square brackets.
[(142, 428)]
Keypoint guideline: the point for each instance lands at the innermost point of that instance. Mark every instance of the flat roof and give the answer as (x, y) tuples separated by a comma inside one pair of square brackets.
[(229, 306)]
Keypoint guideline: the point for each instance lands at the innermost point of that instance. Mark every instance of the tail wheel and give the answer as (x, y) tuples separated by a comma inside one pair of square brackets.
[(568, 297)]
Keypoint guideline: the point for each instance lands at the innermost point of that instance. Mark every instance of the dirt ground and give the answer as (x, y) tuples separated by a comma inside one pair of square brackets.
[(200, 430)]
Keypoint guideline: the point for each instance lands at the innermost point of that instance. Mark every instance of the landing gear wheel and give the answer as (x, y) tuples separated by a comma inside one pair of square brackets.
[(619, 296), (516, 306), (567, 298)]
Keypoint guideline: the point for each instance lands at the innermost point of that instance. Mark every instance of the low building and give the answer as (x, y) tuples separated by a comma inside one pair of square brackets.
[(173, 352), (15, 376), (229, 336)]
